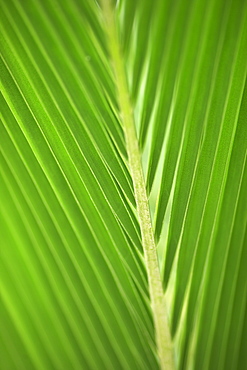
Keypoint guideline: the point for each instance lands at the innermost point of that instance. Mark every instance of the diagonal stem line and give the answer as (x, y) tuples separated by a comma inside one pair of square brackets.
[(162, 332)]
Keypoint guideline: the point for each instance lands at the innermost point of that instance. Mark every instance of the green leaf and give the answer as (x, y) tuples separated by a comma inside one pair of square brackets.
[(81, 282)]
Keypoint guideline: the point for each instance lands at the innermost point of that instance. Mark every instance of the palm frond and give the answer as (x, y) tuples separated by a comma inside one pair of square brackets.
[(74, 279)]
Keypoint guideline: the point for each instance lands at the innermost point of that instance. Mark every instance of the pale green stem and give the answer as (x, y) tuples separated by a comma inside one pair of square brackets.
[(162, 333)]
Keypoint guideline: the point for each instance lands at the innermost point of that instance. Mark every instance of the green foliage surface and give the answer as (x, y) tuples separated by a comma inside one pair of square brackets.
[(74, 288)]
